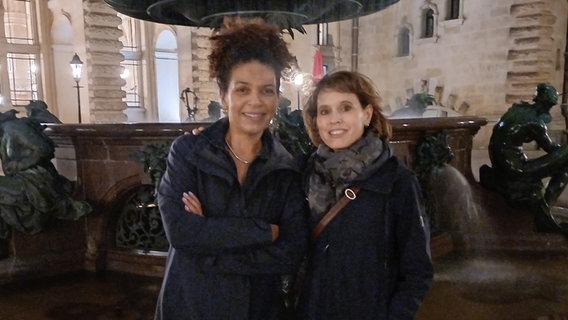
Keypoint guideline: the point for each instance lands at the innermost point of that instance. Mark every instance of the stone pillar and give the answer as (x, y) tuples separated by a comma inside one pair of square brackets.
[(205, 88), (531, 56), (103, 63)]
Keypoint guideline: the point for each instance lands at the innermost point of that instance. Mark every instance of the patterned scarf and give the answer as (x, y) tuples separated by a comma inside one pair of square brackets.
[(335, 171)]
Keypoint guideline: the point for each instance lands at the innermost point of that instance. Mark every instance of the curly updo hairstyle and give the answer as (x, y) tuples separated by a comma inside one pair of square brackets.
[(240, 41)]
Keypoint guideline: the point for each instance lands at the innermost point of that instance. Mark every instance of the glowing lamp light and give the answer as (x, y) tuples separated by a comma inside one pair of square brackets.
[(299, 79), (76, 67)]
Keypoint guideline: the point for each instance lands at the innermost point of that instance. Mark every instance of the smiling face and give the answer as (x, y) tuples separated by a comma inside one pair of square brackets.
[(251, 98), (341, 119)]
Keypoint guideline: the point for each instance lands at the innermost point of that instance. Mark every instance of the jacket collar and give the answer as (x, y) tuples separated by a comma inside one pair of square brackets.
[(382, 181), (272, 154)]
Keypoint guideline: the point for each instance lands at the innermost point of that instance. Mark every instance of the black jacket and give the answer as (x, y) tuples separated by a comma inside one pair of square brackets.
[(373, 260), (224, 265)]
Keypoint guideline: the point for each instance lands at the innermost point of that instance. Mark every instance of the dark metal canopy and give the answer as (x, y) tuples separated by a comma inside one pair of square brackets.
[(210, 13)]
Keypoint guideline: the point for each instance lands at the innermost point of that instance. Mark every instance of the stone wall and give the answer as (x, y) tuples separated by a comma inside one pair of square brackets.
[(479, 64), (532, 56), (205, 88)]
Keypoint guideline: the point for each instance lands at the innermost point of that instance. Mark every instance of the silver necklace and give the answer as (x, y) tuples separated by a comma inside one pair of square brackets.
[(234, 154)]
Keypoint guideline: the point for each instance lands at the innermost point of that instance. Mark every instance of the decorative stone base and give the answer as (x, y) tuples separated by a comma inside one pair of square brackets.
[(541, 242), (56, 251), (137, 262)]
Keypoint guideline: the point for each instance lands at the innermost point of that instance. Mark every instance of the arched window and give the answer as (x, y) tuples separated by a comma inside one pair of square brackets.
[(428, 29), (22, 51), (404, 42), (453, 9), (167, 78)]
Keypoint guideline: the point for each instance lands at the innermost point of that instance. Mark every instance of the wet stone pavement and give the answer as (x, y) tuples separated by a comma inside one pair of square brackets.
[(512, 286), (82, 296)]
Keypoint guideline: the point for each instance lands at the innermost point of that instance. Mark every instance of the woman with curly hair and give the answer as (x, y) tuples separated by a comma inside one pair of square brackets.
[(372, 260), (231, 198)]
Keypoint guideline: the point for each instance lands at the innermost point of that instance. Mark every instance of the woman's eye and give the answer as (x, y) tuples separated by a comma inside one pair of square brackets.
[(269, 91), (323, 112)]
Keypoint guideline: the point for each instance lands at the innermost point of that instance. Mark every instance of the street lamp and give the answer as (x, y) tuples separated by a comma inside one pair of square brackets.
[(76, 68), (298, 81)]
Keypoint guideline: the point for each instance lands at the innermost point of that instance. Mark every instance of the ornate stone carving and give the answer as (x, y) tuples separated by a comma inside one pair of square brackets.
[(103, 63)]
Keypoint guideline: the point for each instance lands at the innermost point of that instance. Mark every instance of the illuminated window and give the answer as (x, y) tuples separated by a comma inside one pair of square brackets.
[(23, 51), (22, 72), (132, 53), (131, 75), (18, 22)]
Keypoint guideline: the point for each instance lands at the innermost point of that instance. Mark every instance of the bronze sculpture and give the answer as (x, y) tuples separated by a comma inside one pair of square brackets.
[(32, 192), (213, 111), (37, 109), (520, 179)]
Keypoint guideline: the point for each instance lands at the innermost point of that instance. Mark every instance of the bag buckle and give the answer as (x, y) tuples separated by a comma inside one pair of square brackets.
[(350, 194)]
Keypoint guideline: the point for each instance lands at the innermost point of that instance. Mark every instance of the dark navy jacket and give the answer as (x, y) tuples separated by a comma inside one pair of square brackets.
[(224, 265), (373, 260)]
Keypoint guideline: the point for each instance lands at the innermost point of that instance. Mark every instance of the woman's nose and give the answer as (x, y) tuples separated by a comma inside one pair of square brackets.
[(335, 117), (255, 98)]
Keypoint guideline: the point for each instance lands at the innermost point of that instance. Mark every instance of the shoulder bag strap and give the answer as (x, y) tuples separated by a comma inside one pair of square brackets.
[(349, 194)]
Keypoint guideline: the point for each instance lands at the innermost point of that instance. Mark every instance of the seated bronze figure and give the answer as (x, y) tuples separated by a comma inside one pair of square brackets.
[(520, 179), (32, 192)]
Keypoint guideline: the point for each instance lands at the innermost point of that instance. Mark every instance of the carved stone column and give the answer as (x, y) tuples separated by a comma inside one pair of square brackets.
[(103, 62), (205, 88), (531, 55)]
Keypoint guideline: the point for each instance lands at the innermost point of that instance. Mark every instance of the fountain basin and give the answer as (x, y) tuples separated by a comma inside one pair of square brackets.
[(99, 158)]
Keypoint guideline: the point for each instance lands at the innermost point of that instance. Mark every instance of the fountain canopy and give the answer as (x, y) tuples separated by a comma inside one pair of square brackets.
[(210, 13)]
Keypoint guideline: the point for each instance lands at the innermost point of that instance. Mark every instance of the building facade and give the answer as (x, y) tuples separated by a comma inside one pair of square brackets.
[(476, 57)]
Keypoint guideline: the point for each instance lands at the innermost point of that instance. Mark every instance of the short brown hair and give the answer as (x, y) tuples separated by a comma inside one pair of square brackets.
[(241, 41), (347, 82)]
